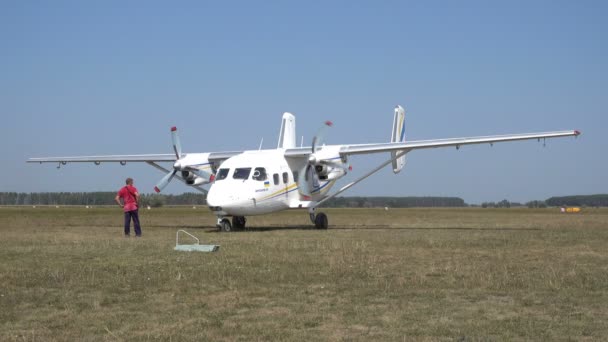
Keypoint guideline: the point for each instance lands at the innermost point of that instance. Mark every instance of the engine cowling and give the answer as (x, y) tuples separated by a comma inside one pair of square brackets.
[(189, 177), (327, 172), (322, 170)]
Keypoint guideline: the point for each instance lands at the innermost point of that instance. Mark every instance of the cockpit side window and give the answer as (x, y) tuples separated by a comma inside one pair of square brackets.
[(241, 173), (222, 174), (259, 174)]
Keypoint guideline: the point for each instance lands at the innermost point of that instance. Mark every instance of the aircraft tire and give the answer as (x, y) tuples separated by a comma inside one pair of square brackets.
[(226, 226), (238, 222), (321, 221)]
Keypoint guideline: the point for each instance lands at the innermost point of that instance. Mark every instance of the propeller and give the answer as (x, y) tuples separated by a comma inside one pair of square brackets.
[(178, 165), (164, 181), (312, 161), (177, 146)]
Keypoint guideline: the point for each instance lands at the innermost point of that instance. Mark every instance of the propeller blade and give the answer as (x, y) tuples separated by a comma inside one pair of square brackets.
[(164, 181), (303, 184), (320, 136), (202, 174), (177, 146)]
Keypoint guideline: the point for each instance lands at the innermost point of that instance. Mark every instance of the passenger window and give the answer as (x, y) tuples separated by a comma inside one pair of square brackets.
[(259, 174), (285, 178), (275, 177), (222, 174), (241, 173)]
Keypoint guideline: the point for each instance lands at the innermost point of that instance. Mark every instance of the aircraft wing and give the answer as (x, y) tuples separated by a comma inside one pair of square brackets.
[(421, 144), (147, 158), (106, 158)]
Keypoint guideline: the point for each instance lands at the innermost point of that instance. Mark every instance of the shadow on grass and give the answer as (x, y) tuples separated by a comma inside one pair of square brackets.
[(432, 228), (214, 229), (312, 228)]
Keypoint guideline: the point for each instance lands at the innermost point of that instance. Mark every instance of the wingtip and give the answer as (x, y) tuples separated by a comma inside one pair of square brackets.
[(173, 129), (156, 189), (577, 133)]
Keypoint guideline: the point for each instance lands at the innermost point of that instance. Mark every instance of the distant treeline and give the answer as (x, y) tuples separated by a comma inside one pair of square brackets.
[(600, 200), (95, 198), (158, 200), (395, 202)]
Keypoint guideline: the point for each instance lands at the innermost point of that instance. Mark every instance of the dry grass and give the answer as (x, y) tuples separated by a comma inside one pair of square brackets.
[(411, 274)]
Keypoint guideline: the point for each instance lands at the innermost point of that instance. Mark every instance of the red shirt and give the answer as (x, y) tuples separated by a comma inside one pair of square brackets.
[(127, 193)]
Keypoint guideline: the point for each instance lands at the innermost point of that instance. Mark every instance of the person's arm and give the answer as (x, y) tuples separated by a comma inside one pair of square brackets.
[(137, 197), (117, 199)]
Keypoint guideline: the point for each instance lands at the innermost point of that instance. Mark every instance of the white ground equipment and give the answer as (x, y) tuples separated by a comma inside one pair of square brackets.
[(197, 247)]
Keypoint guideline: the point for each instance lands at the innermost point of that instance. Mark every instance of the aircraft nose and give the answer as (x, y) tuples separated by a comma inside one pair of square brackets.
[(213, 197), (219, 200)]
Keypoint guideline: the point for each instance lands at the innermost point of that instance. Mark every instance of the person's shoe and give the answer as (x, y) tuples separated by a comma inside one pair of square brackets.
[(127, 235), (137, 236)]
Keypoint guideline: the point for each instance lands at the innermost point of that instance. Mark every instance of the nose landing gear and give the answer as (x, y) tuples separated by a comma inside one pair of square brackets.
[(224, 224)]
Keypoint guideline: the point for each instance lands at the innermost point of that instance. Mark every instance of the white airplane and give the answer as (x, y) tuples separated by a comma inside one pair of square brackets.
[(255, 182)]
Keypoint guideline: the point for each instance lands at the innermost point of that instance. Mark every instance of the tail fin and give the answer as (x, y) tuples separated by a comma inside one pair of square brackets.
[(398, 136), (287, 135)]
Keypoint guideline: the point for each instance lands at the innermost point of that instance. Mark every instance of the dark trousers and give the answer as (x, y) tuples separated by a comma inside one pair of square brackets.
[(133, 214)]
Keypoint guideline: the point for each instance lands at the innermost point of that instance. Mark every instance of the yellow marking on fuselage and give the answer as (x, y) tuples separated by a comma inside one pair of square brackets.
[(279, 192)]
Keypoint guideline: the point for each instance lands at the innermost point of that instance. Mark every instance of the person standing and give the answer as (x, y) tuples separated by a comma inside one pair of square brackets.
[(130, 204)]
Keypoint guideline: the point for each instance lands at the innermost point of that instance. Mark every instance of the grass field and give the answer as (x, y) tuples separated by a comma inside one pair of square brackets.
[(404, 274)]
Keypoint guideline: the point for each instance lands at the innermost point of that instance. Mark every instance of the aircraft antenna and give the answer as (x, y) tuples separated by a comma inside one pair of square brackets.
[(261, 142), (302, 142)]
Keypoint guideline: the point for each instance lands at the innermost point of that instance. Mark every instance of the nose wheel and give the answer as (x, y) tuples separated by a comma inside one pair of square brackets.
[(224, 224)]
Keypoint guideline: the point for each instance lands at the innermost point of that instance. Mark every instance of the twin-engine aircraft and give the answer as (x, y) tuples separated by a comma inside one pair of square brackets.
[(244, 183)]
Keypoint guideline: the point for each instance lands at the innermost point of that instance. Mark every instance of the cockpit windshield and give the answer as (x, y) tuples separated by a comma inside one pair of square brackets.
[(241, 173), (259, 174), (221, 174)]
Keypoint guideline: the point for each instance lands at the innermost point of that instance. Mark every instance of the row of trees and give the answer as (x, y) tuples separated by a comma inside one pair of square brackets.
[(395, 202), (157, 200), (600, 200), (579, 201), (502, 204), (95, 198)]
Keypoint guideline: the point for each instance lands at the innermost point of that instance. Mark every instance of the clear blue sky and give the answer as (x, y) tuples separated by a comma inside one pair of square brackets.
[(111, 77)]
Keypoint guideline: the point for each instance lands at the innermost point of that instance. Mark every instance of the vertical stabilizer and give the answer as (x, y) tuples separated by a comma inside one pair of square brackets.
[(398, 135), (287, 135)]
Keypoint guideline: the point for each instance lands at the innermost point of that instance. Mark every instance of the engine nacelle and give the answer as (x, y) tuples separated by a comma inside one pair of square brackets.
[(199, 181), (335, 173), (189, 177), (322, 170), (192, 179), (327, 172)]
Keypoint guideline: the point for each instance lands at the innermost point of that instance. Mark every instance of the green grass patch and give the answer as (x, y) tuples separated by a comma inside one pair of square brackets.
[(401, 274)]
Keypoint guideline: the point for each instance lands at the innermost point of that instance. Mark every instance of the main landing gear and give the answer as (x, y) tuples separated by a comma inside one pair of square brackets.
[(320, 220), (224, 224)]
